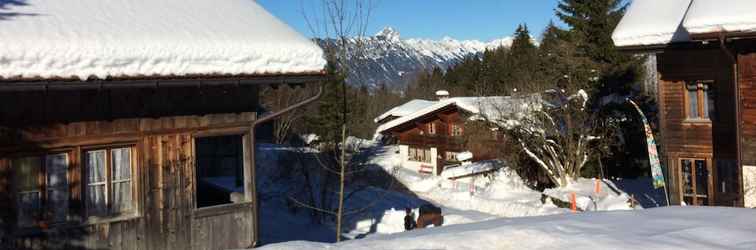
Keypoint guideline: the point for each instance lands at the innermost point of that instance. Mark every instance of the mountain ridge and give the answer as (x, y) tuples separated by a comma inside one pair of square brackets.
[(387, 59)]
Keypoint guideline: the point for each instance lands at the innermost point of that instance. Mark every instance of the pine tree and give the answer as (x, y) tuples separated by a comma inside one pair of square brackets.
[(592, 23), (328, 119), (522, 62)]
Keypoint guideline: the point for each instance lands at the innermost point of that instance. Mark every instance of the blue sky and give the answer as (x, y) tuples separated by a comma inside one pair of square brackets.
[(460, 19)]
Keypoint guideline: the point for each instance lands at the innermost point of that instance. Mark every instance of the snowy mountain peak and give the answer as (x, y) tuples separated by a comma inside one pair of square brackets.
[(388, 34), (386, 58)]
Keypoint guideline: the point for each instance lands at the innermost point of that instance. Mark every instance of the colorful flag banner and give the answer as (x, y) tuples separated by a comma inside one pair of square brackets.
[(653, 154)]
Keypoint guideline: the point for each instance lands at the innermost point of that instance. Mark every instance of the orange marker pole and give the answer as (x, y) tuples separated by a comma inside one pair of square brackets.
[(598, 186), (573, 201)]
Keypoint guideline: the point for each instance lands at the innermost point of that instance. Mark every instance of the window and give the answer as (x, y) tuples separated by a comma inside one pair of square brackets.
[(432, 128), (451, 156), (109, 185), (695, 181), (700, 100), (220, 169), (41, 189), (420, 154), (456, 130)]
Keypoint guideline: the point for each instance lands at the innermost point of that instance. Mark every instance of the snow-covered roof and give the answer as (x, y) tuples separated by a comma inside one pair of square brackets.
[(493, 108), (653, 22), (405, 109), (132, 38), (707, 16)]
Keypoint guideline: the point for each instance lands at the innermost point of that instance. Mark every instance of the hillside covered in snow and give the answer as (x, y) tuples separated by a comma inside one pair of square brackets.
[(386, 58)]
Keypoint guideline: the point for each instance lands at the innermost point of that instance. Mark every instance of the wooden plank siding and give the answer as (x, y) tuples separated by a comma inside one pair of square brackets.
[(164, 183), (682, 138), (747, 86)]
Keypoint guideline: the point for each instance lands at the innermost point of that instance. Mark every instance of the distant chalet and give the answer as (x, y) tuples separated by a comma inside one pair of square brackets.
[(706, 62), (129, 124), (432, 134)]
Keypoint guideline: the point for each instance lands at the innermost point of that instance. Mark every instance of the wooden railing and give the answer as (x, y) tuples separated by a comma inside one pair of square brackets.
[(433, 140)]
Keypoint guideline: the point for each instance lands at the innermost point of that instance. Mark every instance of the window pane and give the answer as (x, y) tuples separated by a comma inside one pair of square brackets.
[(96, 200), (96, 163), (29, 207), (687, 176), (121, 163), (57, 204), (121, 197), (693, 103), (710, 102), (57, 187), (57, 167), (702, 178), (27, 173)]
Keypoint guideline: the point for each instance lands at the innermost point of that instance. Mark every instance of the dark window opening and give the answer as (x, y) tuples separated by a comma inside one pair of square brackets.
[(41, 190), (220, 169)]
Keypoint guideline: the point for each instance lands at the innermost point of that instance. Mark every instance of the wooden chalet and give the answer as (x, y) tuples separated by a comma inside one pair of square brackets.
[(431, 134), (129, 124), (706, 65)]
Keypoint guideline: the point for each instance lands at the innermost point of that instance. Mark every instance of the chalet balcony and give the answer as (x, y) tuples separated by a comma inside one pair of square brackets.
[(433, 140)]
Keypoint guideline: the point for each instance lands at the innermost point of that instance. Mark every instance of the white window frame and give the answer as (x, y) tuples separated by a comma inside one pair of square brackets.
[(109, 214)]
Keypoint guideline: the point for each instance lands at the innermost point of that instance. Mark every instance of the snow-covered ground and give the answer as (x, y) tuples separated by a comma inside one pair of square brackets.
[(499, 194), (503, 193), (657, 228)]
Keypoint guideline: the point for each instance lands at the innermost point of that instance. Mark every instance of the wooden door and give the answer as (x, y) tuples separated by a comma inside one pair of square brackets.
[(696, 182)]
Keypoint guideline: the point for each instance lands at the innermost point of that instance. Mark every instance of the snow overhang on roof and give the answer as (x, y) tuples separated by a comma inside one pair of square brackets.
[(405, 109), (652, 22), (45, 39), (493, 108), (714, 16), (658, 23)]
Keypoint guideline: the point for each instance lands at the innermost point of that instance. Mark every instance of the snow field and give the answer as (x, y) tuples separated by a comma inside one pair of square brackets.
[(659, 228)]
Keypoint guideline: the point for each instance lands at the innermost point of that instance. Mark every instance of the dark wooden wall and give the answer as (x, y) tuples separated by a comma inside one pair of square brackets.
[(747, 83), (680, 138), (60, 104), (167, 218)]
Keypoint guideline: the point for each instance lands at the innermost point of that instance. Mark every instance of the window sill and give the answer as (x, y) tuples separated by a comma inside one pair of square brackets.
[(105, 220), (697, 121), (37, 230), (221, 209)]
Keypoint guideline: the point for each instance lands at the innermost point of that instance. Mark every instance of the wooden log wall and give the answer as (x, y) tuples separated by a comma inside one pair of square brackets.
[(167, 217), (747, 84)]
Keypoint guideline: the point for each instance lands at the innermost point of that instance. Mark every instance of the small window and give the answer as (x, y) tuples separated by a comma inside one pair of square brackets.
[(220, 169), (432, 128), (419, 155), (41, 189), (700, 100), (456, 130), (451, 156), (109, 191)]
